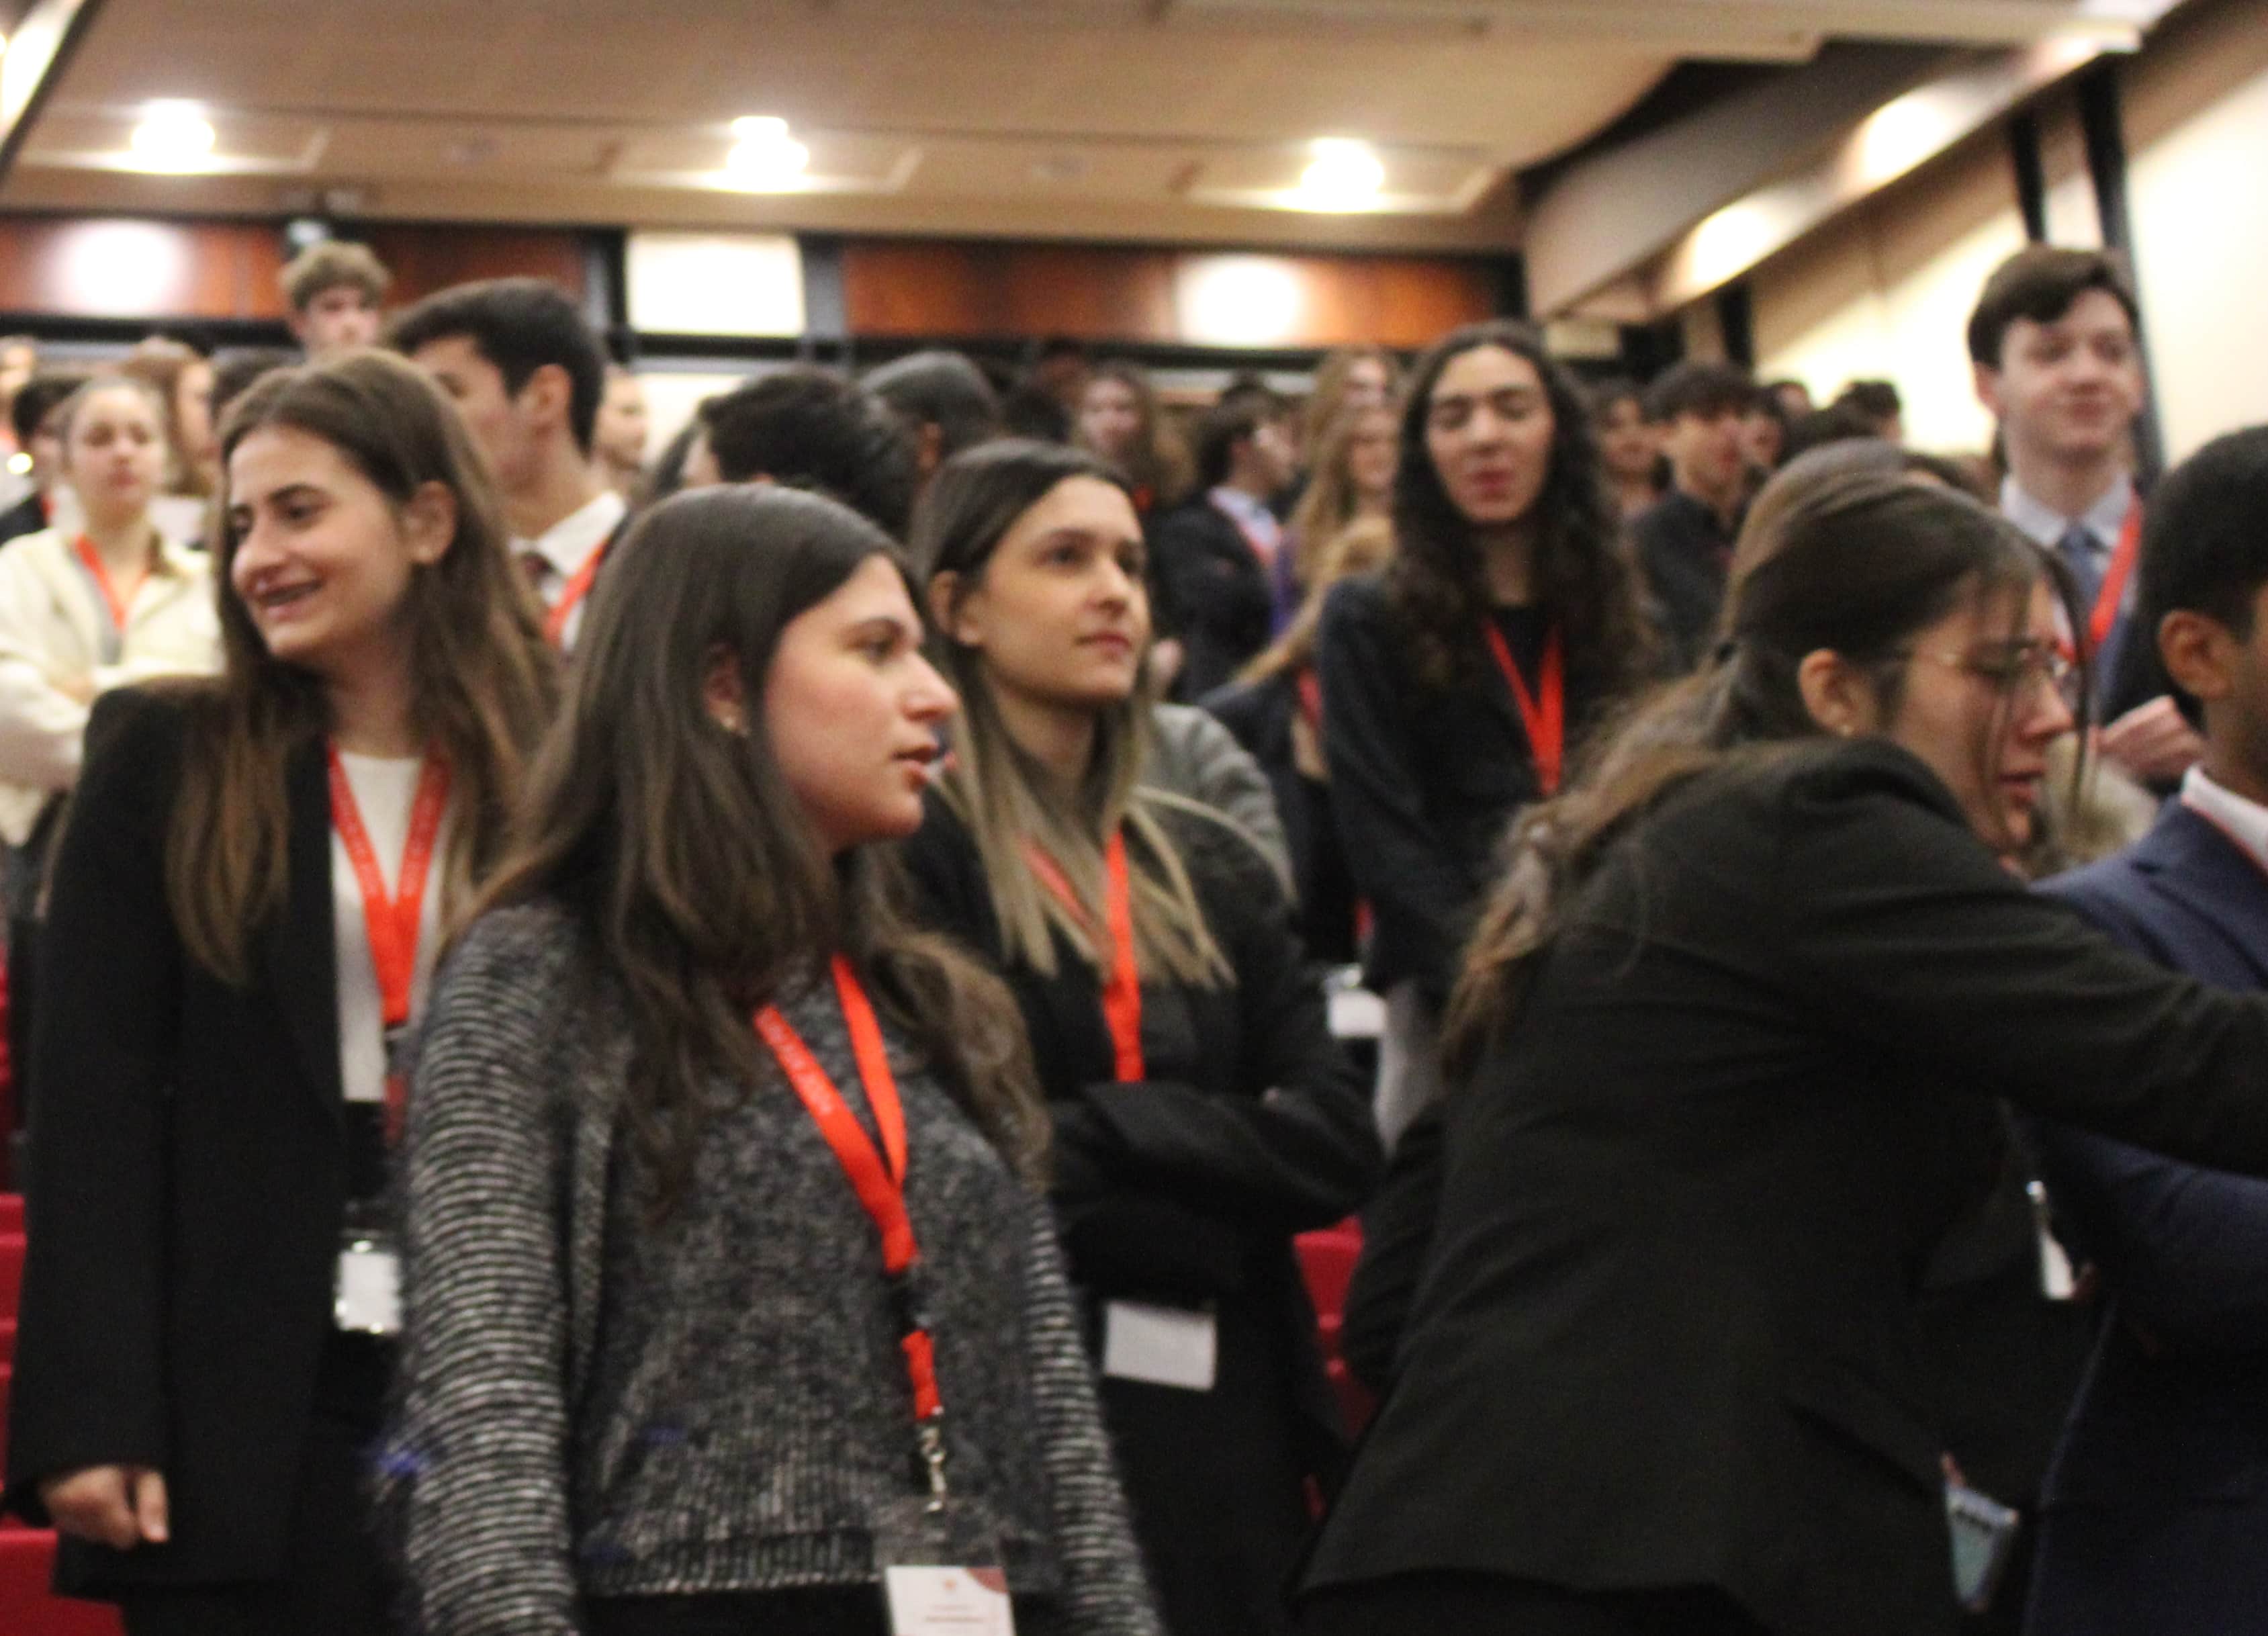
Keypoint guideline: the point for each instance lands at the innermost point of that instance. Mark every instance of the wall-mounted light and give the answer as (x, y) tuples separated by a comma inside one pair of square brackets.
[(764, 158), (172, 137), (1343, 175)]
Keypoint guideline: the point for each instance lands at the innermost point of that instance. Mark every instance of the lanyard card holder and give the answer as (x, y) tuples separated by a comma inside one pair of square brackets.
[(367, 1282), (938, 1559)]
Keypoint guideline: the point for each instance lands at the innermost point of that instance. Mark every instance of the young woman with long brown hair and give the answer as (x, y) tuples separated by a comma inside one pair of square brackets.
[(1726, 1054), (1120, 419), (1458, 685), (1353, 478), (725, 1256), (246, 905), (1203, 1114)]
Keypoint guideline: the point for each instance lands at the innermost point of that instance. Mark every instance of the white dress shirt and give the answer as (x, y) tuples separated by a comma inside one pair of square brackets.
[(557, 554), (2243, 820)]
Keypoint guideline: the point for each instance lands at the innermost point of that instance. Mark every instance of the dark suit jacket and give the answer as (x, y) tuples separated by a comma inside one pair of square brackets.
[(1261, 715), (2157, 1503), (1666, 1333), (1685, 553), (1217, 588), (187, 1177)]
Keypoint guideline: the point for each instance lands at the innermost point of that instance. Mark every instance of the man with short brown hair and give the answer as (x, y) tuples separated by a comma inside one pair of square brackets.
[(336, 290)]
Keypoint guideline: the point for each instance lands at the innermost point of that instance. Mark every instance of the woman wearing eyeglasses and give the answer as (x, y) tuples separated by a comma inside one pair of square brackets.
[(1724, 1058)]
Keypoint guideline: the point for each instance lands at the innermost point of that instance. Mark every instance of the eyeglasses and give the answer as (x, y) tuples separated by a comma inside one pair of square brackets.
[(2022, 669)]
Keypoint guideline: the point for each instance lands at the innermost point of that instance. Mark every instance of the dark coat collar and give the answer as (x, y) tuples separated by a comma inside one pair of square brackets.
[(299, 953)]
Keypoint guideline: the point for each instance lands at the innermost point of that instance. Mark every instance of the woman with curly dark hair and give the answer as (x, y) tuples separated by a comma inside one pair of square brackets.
[(1458, 683)]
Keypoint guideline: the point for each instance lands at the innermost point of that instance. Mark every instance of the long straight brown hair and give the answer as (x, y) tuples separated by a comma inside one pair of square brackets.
[(699, 883), (483, 679), (1845, 550)]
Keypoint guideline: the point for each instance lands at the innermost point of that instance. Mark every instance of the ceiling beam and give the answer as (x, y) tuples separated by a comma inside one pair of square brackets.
[(34, 61)]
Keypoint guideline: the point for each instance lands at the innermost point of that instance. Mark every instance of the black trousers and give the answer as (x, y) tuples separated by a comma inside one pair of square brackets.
[(331, 1581), (1493, 1604)]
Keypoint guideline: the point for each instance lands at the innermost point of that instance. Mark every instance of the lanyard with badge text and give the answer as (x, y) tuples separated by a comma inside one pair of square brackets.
[(941, 1570), (1121, 985), (367, 1295), (2113, 593), (1544, 718)]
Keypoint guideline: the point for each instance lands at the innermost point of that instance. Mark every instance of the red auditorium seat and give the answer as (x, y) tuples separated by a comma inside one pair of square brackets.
[(11, 1272), (28, 1559), (12, 1212)]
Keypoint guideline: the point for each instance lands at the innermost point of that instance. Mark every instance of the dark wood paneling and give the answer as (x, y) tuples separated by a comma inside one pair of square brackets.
[(423, 258), (1092, 293), (1421, 299), (894, 287), (123, 267)]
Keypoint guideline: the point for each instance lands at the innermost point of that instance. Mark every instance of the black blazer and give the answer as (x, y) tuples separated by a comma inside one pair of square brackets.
[(1686, 554), (1666, 1332), (1424, 782), (1261, 714), (187, 1177), (1253, 1127), (1216, 589)]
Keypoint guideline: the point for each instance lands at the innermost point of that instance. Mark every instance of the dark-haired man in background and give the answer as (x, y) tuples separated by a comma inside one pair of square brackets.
[(942, 400), (1213, 558), (35, 421), (1684, 541), (528, 374), (2052, 342), (807, 427), (2156, 1509)]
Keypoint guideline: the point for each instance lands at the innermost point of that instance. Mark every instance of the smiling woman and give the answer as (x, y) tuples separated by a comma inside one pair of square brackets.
[(241, 937)]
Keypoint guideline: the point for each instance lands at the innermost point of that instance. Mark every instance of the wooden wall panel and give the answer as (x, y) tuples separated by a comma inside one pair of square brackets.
[(916, 288), (1092, 293), (423, 258), (137, 267), (1420, 300)]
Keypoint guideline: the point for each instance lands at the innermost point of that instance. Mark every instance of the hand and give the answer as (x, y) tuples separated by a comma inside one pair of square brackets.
[(117, 1505), (79, 689), (2153, 742)]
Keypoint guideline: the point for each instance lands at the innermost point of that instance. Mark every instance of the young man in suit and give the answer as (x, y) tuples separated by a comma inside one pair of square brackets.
[(527, 373), (1684, 541), (1214, 557), (2052, 343), (2156, 1510)]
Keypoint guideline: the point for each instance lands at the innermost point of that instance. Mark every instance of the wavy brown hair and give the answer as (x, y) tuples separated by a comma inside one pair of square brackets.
[(699, 883), (1437, 587), (483, 679), (1846, 549)]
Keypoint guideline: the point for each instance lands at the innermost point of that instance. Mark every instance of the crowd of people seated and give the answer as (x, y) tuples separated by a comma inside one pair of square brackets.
[(740, 1041)]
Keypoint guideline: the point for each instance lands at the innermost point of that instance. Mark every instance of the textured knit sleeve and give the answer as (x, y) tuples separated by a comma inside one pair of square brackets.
[(1105, 1593), (473, 1474)]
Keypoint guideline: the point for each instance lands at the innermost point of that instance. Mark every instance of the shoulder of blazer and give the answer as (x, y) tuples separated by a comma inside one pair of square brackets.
[(1233, 880), (1846, 771), (144, 731)]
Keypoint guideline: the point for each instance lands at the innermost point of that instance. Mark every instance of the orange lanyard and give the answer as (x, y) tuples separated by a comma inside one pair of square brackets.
[(1311, 698), (2108, 600), (1545, 720), (878, 1177), (120, 603), (1121, 985), (392, 925), (578, 587)]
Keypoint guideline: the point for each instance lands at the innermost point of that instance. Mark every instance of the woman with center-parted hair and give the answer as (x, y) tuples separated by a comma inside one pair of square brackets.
[(1202, 1112), (724, 1257), (246, 905), (1458, 684), (1725, 1052)]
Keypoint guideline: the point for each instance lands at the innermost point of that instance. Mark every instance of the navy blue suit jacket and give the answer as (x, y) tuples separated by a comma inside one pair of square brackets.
[(2157, 1508)]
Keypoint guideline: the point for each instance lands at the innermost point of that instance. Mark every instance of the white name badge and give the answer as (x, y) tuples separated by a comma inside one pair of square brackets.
[(366, 1297), (948, 1602), (1162, 1345)]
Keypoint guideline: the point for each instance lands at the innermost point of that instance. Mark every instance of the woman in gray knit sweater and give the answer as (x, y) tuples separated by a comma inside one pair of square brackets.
[(665, 1367)]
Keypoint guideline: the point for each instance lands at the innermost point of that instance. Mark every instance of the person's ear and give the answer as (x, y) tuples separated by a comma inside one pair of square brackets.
[(428, 523), (2199, 653), (956, 615), (722, 695), (1835, 693), (1987, 381), (547, 395)]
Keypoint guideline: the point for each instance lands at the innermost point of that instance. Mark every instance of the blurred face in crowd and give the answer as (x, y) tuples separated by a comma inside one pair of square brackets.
[(47, 450), (1489, 431), (116, 456), (503, 423), (193, 419), (1269, 459), (1762, 438), (1368, 385), (323, 559), (851, 710), (336, 320), (1708, 452), (1984, 695), (1109, 417), (2068, 390), (1371, 453), (1794, 398), (622, 428), (1060, 614), (1627, 443)]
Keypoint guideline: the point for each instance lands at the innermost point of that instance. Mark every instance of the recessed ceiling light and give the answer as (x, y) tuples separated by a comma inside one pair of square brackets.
[(764, 156), (1344, 175), (173, 137)]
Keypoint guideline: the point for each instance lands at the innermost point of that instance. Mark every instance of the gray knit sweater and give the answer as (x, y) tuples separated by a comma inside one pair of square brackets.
[(591, 1406)]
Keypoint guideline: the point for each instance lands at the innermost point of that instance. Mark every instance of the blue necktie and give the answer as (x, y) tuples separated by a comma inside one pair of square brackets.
[(2082, 554)]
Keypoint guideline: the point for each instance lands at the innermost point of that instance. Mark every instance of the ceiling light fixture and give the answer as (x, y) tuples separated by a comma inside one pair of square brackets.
[(173, 137), (764, 158), (1344, 175)]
